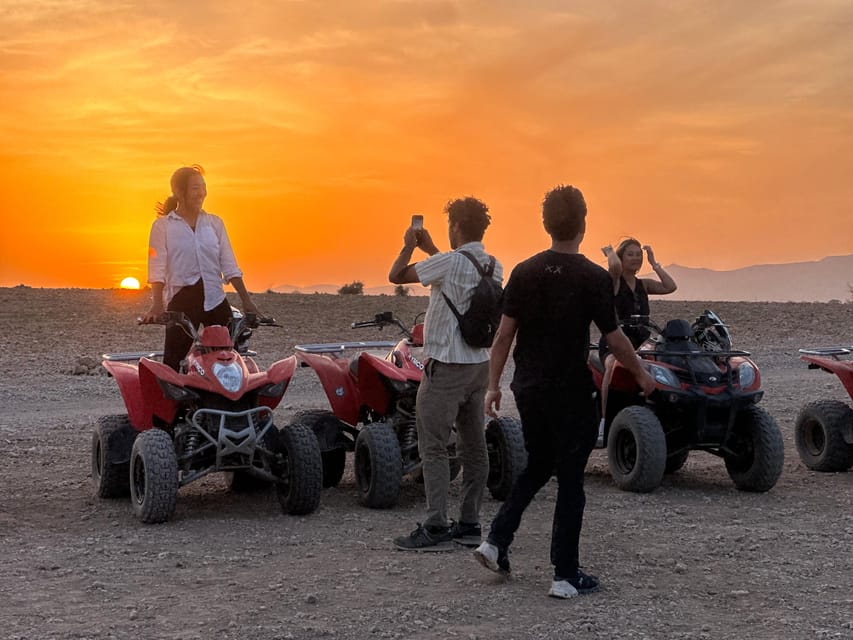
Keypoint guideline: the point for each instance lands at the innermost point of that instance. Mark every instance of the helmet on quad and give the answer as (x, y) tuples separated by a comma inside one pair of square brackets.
[(711, 333)]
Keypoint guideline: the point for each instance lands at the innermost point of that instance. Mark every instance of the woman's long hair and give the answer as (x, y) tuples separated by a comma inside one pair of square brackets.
[(178, 183)]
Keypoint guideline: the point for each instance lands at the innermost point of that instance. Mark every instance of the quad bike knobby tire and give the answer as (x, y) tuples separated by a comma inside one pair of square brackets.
[(636, 450), (378, 466), (112, 441), (301, 481), (759, 451), (153, 476), (325, 426), (819, 435), (507, 455)]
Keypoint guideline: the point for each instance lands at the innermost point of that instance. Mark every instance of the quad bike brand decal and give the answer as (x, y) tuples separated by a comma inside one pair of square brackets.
[(198, 368), (340, 392), (417, 363)]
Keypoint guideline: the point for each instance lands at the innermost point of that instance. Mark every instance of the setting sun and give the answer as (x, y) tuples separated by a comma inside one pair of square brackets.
[(130, 283)]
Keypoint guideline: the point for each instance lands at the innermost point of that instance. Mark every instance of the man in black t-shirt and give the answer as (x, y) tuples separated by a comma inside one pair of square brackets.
[(549, 303)]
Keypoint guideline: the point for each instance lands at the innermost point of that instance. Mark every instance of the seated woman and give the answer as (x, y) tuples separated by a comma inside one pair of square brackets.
[(632, 298)]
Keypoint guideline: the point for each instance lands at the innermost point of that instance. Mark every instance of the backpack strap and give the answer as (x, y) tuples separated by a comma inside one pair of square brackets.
[(485, 272)]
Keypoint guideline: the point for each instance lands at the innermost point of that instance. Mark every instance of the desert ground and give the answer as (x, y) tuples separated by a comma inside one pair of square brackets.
[(695, 559)]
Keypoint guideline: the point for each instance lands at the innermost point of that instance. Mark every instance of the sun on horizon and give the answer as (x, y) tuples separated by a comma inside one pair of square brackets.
[(129, 283)]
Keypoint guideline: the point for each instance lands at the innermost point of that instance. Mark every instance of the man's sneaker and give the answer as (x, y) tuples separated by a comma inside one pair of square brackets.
[(465, 533), (493, 557), (425, 539), (584, 583), (562, 589)]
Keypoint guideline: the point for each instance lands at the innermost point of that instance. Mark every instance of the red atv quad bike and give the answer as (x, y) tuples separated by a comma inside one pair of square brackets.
[(372, 397), (824, 428), (706, 399), (215, 415)]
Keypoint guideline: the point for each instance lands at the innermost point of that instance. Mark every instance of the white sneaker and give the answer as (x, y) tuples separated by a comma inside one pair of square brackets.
[(487, 555), (562, 589)]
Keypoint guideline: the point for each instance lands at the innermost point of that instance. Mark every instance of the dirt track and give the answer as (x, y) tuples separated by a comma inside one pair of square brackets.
[(694, 559)]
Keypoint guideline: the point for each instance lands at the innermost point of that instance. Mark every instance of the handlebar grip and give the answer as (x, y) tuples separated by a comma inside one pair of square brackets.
[(362, 325)]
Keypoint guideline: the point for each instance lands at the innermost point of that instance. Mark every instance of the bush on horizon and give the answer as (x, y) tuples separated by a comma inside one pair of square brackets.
[(353, 288)]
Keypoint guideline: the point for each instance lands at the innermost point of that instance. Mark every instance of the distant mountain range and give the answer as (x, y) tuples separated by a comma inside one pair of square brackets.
[(820, 281)]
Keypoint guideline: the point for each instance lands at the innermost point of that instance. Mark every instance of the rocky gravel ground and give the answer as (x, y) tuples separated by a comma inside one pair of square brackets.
[(695, 559)]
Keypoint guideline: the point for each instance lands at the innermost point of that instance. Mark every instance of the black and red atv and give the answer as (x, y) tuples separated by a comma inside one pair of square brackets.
[(216, 414), (824, 428), (372, 397), (706, 399)]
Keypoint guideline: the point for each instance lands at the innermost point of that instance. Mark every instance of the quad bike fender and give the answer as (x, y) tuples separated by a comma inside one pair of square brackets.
[(127, 377), (158, 404), (338, 384), (389, 368), (280, 372), (374, 392), (842, 368)]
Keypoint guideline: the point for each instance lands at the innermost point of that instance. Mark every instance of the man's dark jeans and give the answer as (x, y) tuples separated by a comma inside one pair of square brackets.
[(559, 434)]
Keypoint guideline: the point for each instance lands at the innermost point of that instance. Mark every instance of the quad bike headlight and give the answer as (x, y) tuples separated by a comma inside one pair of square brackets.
[(746, 375), (664, 376), (230, 376)]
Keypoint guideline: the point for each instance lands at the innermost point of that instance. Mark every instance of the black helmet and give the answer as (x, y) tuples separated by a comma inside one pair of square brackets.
[(711, 333)]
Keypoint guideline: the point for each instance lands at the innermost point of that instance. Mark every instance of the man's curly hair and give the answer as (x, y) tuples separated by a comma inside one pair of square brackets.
[(471, 215), (564, 212)]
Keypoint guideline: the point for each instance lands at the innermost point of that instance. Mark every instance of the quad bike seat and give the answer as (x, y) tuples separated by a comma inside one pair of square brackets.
[(677, 335)]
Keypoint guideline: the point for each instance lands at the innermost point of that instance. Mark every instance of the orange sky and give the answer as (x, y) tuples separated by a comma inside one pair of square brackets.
[(720, 132)]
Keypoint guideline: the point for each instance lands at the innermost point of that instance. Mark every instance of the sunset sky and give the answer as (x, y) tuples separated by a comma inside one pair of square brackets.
[(721, 132)]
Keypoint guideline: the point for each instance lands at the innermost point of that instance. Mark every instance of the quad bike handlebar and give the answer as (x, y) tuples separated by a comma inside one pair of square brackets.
[(638, 320), (240, 330), (708, 331), (239, 322), (382, 320)]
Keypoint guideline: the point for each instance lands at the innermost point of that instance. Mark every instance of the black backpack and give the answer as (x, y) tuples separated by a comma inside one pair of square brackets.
[(480, 322)]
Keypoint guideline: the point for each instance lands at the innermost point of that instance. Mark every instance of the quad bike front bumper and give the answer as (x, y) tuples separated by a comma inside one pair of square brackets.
[(701, 419), (217, 440)]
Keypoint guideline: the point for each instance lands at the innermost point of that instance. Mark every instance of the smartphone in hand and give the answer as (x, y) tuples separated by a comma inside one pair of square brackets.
[(417, 222)]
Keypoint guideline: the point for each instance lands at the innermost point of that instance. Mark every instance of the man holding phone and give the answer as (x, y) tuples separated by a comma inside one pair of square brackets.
[(453, 388)]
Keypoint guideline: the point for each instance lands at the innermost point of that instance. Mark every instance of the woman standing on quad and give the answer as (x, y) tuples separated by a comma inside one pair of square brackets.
[(189, 258), (632, 298)]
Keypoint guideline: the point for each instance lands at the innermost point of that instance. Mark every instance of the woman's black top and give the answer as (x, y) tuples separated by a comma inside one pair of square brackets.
[(629, 303)]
